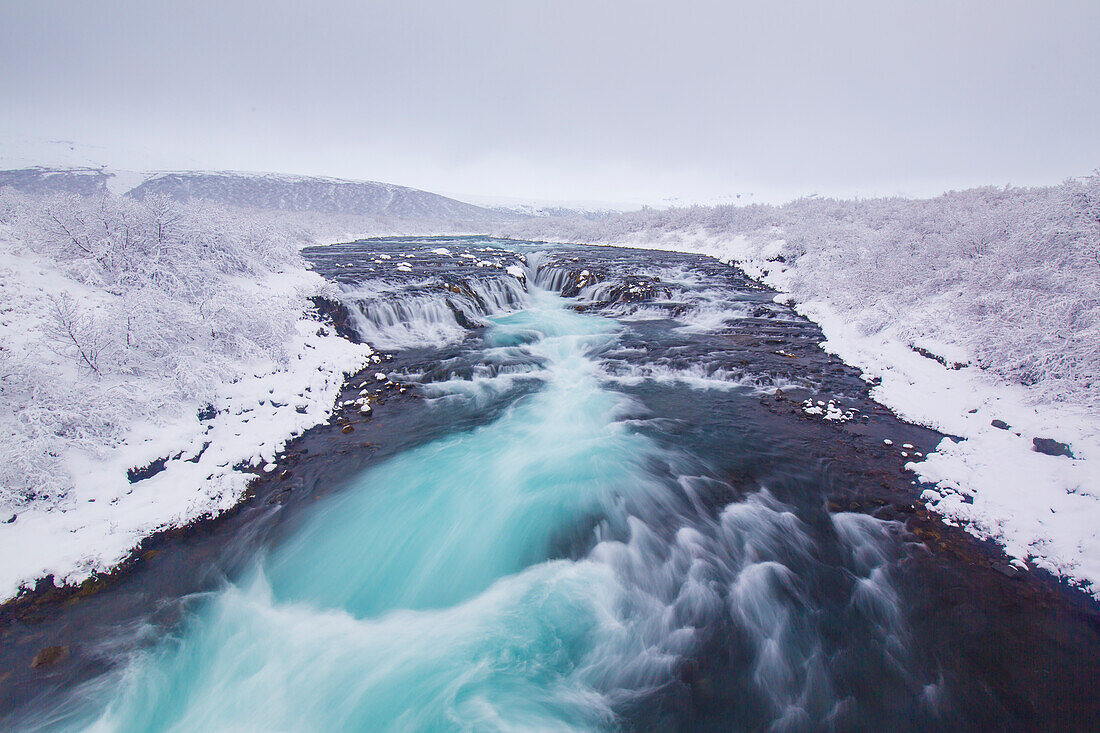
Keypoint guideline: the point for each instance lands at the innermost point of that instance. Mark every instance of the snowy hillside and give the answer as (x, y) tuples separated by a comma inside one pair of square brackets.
[(270, 191), (326, 195), (79, 181)]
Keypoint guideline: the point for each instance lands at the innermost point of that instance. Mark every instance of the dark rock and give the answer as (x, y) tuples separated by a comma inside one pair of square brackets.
[(460, 316), (91, 586), (936, 357), (141, 473), (1000, 425), (1050, 447), (338, 315), (207, 413), (195, 458), (49, 655), (347, 429)]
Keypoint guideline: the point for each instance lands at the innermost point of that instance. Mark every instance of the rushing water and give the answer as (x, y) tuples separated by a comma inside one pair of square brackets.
[(614, 530)]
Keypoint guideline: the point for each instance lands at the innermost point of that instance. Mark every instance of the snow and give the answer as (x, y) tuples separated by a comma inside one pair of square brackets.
[(830, 411), (1043, 509)]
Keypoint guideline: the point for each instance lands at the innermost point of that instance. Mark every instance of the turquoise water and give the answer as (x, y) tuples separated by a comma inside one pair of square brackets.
[(623, 527), (429, 595)]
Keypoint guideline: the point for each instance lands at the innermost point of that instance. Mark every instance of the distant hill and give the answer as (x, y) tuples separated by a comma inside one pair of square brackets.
[(261, 190), (81, 181), (557, 212), (326, 195)]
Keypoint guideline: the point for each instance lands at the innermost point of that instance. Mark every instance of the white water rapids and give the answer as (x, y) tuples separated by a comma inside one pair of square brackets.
[(554, 569)]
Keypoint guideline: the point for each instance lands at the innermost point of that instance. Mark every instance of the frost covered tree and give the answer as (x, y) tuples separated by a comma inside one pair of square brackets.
[(113, 309), (1009, 275)]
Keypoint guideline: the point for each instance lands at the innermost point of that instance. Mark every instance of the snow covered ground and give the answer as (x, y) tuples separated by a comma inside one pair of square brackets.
[(185, 341), (999, 353)]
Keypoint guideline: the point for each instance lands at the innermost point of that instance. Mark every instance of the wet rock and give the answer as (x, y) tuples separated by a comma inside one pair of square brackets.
[(1000, 425), (336, 314), (1005, 569), (90, 587), (347, 429), (1050, 447), (460, 316), (896, 511), (49, 655)]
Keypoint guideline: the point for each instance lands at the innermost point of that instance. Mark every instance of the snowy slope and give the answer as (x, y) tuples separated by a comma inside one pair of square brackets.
[(79, 181), (326, 195)]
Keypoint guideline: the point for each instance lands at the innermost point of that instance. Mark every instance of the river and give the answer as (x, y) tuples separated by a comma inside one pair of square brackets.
[(598, 489)]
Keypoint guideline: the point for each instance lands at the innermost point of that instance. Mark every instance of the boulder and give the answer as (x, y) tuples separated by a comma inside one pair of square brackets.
[(1050, 447)]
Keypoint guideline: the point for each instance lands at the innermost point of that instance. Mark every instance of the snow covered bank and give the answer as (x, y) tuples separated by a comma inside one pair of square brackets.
[(1043, 509), (150, 353), (976, 313)]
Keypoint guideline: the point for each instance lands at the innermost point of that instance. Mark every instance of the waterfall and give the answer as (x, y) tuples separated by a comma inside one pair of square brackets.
[(432, 315)]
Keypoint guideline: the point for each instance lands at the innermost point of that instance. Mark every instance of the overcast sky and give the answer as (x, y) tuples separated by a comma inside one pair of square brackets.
[(617, 101)]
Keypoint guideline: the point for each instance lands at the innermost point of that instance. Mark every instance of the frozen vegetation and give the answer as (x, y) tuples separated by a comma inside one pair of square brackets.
[(976, 312), (135, 331)]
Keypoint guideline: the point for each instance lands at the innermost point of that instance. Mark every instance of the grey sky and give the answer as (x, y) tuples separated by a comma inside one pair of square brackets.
[(619, 101)]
